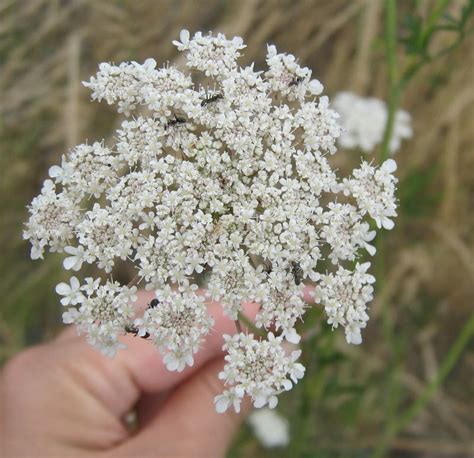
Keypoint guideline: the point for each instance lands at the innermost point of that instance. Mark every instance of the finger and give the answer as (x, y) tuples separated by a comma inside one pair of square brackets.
[(119, 382), (187, 421), (44, 390)]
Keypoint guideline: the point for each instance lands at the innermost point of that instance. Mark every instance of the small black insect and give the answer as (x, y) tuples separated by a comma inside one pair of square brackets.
[(153, 303), (297, 272), (296, 81), (130, 329), (211, 99), (174, 122)]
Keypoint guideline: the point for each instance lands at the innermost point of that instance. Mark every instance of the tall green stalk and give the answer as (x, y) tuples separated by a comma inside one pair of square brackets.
[(392, 378), (394, 90), (397, 83), (451, 358)]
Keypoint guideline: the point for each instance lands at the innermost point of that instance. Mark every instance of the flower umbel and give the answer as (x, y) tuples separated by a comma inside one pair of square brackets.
[(230, 178), (258, 368), (363, 121), (177, 325)]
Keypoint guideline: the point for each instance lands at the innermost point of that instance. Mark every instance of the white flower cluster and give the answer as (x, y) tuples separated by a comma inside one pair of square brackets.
[(101, 311), (270, 428), (177, 322), (345, 295), (258, 368), (363, 121), (229, 176)]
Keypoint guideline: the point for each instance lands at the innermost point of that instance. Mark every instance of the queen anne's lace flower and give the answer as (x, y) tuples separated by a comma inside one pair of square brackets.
[(259, 368), (373, 189), (345, 295), (288, 78), (53, 217), (89, 169), (214, 56), (363, 121), (103, 314), (230, 177), (177, 325), (345, 233)]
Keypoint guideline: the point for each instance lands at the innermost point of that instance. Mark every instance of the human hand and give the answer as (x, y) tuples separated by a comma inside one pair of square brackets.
[(64, 399)]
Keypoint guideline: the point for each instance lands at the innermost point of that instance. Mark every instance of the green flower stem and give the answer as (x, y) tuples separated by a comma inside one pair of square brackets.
[(394, 89), (250, 325), (450, 360), (433, 18), (467, 332), (423, 41), (396, 83), (312, 387), (393, 373)]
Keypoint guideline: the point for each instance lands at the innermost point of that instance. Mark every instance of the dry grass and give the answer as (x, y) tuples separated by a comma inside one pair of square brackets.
[(47, 47)]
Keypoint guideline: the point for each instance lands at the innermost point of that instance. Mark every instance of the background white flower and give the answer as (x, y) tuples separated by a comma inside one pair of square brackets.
[(270, 428), (363, 121)]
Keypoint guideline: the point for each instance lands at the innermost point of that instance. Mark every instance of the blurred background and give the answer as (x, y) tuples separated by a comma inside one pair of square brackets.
[(408, 390)]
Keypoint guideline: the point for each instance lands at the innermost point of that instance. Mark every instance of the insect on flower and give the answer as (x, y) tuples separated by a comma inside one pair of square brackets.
[(174, 122), (212, 98), (131, 329), (297, 272), (153, 303), (296, 81)]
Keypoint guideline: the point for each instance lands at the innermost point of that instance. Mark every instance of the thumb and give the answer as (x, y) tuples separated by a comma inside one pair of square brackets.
[(186, 424)]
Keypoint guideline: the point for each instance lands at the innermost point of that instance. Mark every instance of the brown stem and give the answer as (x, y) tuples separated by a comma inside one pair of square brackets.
[(238, 326), (135, 280)]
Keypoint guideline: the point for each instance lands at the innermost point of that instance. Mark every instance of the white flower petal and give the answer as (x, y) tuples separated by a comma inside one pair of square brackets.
[(388, 223), (222, 403), (292, 336), (315, 87), (150, 63), (55, 171), (184, 36), (70, 263), (370, 248), (63, 289), (389, 166)]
